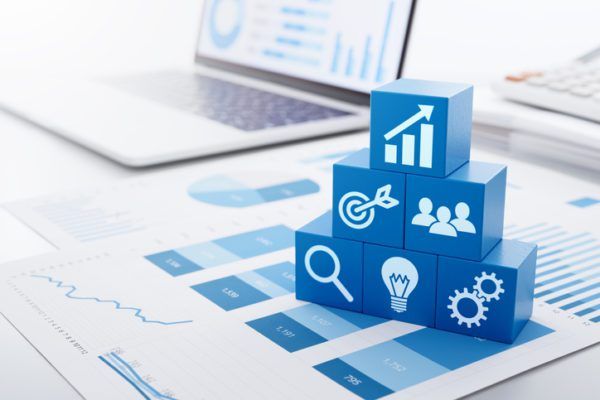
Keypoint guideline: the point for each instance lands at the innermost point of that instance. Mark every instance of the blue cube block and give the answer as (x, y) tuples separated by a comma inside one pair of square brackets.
[(328, 269), (491, 299), (368, 204), (461, 215), (421, 127), (400, 284)]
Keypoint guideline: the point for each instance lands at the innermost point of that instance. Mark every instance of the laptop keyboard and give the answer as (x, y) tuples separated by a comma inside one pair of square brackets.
[(232, 104)]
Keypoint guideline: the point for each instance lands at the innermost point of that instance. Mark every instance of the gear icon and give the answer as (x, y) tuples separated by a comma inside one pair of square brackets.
[(488, 296), (466, 295)]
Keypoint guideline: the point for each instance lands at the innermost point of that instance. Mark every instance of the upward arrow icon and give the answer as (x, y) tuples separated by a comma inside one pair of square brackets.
[(424, 112)]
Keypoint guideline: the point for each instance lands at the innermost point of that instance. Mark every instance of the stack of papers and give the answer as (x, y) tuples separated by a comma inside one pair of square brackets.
[(180, 285), (529, 130)]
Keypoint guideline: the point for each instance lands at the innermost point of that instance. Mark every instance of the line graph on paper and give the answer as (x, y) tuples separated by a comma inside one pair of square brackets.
[(138, 311), (100, 301), (129, 372)]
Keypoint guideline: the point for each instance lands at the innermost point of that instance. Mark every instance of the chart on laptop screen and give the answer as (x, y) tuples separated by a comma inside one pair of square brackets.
[(354, 47)]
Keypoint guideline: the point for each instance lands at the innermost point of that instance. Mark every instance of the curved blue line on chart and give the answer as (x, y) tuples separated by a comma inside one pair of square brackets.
[(134, 376), (118, 306)]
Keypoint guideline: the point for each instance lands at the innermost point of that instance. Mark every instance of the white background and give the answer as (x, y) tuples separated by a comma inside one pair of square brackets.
[(464, 40)]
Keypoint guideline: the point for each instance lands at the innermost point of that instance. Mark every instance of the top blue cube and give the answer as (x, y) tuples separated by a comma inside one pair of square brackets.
[(421, 127)]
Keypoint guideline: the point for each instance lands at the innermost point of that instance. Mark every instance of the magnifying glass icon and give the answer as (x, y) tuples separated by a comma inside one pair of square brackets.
[(333, 277)]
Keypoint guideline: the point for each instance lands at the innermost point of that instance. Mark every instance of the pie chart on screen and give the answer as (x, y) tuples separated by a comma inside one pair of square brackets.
[(246, 190)]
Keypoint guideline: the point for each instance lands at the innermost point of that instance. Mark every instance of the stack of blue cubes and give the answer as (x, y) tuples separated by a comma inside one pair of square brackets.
[(415, 230)]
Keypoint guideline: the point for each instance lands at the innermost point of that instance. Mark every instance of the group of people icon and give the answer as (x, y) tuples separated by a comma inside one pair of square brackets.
[(442, 224)]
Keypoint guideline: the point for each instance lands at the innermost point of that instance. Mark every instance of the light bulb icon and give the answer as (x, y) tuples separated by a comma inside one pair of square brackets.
[(401, 278)]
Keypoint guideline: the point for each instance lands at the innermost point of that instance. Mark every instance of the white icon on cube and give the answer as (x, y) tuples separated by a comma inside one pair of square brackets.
[(409, 141), (357, 211), (334, 276), (478, 297), (400, 277), (442, 224)]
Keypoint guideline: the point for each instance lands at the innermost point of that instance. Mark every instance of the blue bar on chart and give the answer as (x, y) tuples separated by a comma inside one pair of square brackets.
[(224, 191), (196, 257), (350, 62), (336, 53), (251, 287), (309, 325), (413, 358), (364, 69), (584, 202), (567, 270), (380, 71)]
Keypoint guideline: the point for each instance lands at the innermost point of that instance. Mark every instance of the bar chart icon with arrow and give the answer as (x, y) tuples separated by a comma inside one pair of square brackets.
[(408, 142)]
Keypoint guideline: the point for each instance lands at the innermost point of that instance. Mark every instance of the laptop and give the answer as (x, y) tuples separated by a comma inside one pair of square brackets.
[(265, 72)]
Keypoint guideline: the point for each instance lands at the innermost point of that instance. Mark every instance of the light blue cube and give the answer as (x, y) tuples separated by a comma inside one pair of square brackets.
[(400, 284), (491, 299), (421, 127), (461, 215), (368, 204), (328, 269)]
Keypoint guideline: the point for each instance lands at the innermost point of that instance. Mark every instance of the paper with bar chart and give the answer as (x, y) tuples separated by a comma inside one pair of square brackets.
[(204, 307), (238, 186)]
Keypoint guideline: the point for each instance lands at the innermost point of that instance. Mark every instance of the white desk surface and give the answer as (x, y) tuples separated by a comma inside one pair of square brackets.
[(87, 36)]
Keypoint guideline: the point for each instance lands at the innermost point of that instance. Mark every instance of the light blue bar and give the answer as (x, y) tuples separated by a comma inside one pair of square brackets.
[(350, 62), (596, 319), (533, 234), (567, 275), (581, 302), (588, 310), (379, 75), (524, 229), (335, 61), (207, 254), (557, 259), (566, 285), (261, 283), (364, 70), (290, 57), (394, 365), (573, 293), (573, 246), (321, 321), (296, 27), (554, 235), (547, 245), (565, 266), (584, 202), (259, 242), (282, 274), (297, 43), (303, 12)]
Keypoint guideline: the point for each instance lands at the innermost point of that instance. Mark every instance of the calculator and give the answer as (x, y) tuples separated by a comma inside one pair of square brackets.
[(572, 89)]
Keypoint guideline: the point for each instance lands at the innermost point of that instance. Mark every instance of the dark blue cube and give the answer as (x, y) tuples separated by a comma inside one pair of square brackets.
[(461, 215), (328, 269), (491, 299), (400, 284), (368, 204), (421, 127)]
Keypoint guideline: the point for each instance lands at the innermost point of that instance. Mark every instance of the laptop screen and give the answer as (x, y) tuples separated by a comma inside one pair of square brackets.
[(351, 44)]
